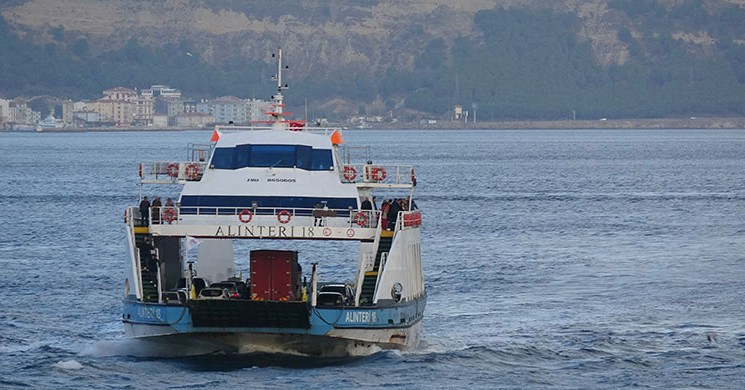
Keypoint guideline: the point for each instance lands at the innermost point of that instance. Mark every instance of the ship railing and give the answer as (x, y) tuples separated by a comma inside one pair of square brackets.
[(409, 219), (319, 217), (175, 172), (374, 174), (264, 126)]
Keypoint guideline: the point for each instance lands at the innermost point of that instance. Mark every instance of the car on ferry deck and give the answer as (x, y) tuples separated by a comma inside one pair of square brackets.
[(214, 293), (344, 290)]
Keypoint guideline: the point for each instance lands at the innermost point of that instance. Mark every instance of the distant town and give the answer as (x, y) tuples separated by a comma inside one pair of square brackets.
[(158, 107), (163, 107)]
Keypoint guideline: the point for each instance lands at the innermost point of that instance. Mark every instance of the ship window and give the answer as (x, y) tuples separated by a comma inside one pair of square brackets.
[(275, 156), (222, 158), (242, 156), (304, 157), (322, 160)]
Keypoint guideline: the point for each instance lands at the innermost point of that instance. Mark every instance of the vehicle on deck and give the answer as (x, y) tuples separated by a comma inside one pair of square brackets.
[(232, 288), (214, 293), (342, 289), (329, 298)]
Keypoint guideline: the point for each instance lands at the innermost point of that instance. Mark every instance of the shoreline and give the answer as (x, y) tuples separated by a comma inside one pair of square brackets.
[(734, 123), (598, 124)]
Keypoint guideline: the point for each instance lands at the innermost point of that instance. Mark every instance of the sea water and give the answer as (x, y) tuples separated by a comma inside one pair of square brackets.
[(553, 259)]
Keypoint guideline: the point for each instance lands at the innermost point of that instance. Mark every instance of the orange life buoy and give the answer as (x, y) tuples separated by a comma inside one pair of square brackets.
[(361, 218), (284, 216), (169, 214), (192, 171), (172, 170), (245, 216), (378, 173), (350, 173)]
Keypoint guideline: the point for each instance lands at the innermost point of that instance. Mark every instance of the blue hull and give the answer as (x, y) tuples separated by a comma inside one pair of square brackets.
[(325, 331)]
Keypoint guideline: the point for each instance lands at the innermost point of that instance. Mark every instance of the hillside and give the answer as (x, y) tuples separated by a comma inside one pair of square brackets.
[(507, 58)]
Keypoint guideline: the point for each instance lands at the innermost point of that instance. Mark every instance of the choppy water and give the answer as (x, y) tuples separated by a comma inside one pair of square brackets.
[(553, 259)]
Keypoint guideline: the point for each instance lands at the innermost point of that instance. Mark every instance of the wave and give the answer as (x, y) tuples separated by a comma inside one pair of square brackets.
[(68, 365)]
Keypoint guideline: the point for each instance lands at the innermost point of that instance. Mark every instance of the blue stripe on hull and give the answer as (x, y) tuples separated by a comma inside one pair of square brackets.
[(322, 320)]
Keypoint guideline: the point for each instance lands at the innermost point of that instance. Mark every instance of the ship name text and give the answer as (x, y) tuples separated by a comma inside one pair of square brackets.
[(361, 316), (266, 231)]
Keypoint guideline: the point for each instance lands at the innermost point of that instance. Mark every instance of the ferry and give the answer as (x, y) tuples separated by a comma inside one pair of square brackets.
[(278, 190)]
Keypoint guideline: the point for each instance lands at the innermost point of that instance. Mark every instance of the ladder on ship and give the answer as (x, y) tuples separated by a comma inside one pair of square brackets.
[(371, 277), (149, 288)]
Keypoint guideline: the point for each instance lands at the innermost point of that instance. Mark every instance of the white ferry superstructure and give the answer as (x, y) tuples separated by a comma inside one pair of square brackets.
[(277, 183)]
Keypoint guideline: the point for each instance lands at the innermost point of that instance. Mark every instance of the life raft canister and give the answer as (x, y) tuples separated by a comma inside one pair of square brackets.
[(172, 170), (284, 216), (245, 216), (350, 173)]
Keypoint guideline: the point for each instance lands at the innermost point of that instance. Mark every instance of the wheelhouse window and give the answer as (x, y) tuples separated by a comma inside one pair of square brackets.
[(274, 156), (222, 158), (322, 160)]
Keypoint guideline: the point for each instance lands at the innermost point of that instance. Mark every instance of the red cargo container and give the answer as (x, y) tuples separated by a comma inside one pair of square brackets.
[(274, 275)]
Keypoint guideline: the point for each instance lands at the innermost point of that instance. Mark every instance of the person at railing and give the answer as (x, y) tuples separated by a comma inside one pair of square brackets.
[(393, 213), (366, 204), (412, 205), (155, 207), (317, 219), (384, 208), (144, 210)]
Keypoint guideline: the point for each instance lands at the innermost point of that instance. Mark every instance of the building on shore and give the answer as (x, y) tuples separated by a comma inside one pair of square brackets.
[(193, 120), (226, 109)]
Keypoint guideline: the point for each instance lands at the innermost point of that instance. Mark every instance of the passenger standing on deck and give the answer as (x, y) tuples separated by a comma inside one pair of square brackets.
[(155, 207), (145, 251), (384, 214), (317, 220), (147, 259), (367, 208), (393, 214), (152, 265), (412, 204), (144, 210)]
